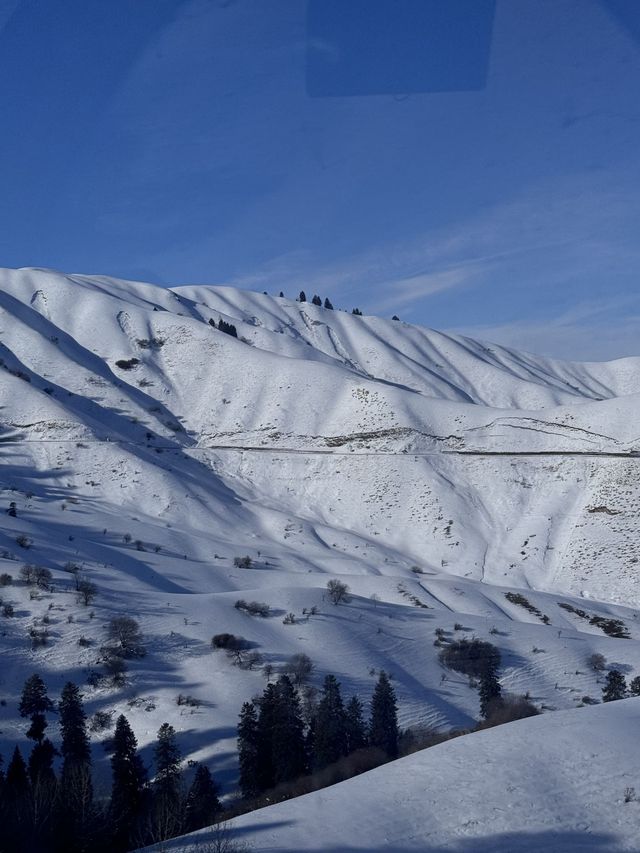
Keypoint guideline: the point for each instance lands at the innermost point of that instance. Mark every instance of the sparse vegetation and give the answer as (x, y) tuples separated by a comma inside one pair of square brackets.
[(125, 637), (597, 662), (612, 627), (127, 363), (523, 601), (338, 591), (253, 608)]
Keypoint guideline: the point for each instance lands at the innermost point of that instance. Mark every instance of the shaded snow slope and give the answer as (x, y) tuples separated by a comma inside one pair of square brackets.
[(555, 782)]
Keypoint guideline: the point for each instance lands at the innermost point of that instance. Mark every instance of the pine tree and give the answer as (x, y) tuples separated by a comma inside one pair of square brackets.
[(35, 703), (490, 692), (330, 735), (615, 687), (316, 300), (128, 793), (281, 295), (202, 804), (43, 791), (77, 816), (248, 751), (302, 297), (357, 312), (383, 723), (75, 747), (17, 804), (287, 736), (167, 794), (355, 727), (327, 304), (634, 687), (17, 779), (267, 713), (41, 763)]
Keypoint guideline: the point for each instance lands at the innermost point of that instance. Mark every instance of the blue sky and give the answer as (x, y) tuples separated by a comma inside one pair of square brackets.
[(471, 165)]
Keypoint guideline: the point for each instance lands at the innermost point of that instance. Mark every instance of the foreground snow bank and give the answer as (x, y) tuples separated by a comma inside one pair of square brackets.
[(555, 782)]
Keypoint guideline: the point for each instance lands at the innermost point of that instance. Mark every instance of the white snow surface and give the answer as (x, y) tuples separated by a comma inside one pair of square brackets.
[(551, 783), (419, 466)]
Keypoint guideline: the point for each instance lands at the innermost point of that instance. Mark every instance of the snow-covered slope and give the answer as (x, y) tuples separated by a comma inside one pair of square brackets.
[(420, 467), (555, 783)]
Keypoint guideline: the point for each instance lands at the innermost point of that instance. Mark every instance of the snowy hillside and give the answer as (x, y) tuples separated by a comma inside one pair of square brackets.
[(433, 473), (555, 782)]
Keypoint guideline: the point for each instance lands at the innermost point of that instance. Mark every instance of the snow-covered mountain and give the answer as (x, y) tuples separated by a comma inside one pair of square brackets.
[(151, 449)]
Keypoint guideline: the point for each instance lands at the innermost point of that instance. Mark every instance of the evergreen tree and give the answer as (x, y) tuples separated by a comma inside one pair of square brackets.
[(227, 328), (35, 703), (383, 723), (75, 747), (316, 300), (17, 804), (357, 312), (267, 713), (17, 780), (41, 763), (330, 735), (128, 793), (202, 804), (287, 736), (327, 304), (248, 751), (634, 687), (302, 297), (77, 815), (167, 794), (281, 294), (615, 686), (490, 692), (355, 727), (43, 792)]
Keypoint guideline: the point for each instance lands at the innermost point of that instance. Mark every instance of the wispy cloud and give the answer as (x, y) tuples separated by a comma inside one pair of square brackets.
[(590, 331), (580, 228)]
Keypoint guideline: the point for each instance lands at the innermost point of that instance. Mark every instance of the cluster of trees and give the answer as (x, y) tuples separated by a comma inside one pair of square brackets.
[(280, 739), (223, 326), (616, 686), (316, 300), (480, 661), (41, 810)]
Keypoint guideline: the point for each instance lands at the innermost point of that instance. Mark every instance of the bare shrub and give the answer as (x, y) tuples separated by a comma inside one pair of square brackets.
[(125, 633), (597, 662), (338, 590), (42, 577), (299, 668), (87, 591), (243, 562), (507, 709), (190, 701), (228, 641), (101, 721), (253, 608), (27, 574)]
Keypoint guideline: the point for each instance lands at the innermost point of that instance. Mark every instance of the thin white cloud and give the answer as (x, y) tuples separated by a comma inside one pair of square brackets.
[(590, 331)]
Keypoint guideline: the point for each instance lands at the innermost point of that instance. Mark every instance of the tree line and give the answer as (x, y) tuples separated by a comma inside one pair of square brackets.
[(45, 812), (280, 740)]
